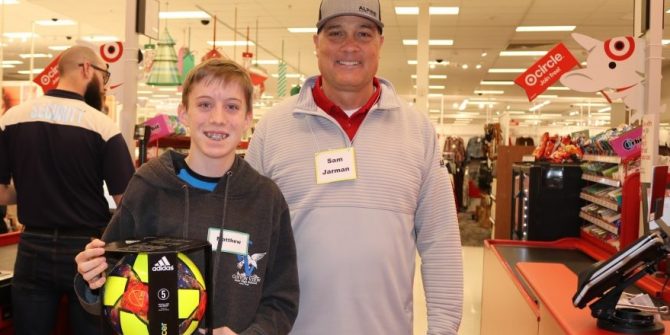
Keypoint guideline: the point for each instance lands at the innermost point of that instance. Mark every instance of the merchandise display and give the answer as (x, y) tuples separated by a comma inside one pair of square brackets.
[(557, 149), (126, 295)]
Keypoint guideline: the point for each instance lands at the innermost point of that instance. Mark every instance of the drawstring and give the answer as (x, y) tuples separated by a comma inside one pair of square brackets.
[(219, 244), (184, 231)]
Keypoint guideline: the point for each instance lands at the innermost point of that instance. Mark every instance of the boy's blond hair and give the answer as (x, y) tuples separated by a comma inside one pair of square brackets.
[(222, 71)]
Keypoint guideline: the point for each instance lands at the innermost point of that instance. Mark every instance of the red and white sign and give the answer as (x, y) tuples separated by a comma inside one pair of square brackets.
[(546, 71), (48, 78)]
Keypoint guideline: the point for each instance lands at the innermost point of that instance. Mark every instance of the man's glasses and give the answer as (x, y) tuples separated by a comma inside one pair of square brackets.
[(105, 73)]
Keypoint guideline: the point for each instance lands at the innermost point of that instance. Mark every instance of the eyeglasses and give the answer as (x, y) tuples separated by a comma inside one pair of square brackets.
[(105, 72)]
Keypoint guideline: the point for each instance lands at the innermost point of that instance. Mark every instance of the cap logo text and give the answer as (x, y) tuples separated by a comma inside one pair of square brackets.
[(367, 11)]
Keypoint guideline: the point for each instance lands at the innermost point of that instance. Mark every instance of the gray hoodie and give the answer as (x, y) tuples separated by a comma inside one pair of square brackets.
[(261, 300)]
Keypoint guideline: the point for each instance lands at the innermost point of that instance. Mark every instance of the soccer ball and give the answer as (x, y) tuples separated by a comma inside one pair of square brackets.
[(125, 296)]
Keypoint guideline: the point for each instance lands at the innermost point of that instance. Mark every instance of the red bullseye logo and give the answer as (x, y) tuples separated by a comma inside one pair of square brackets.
[(111, 52), (620, 48)]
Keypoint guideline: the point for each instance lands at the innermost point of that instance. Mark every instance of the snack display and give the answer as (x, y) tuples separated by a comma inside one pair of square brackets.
[(557, 149)]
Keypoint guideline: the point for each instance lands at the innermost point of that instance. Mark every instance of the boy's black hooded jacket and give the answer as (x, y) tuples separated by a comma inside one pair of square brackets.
[(158, 203)]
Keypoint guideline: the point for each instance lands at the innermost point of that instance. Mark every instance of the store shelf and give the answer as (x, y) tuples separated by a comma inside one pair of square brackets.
[(600, 223), (603, 159), (611, 247), (601, 180), (600, 201)]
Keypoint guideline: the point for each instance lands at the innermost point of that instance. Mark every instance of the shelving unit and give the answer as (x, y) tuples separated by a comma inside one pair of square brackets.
[(627, 230), (601, 180), (600, 223), (600, 201)]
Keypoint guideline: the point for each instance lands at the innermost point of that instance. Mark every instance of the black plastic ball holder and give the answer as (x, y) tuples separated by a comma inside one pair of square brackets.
[(163, 314)]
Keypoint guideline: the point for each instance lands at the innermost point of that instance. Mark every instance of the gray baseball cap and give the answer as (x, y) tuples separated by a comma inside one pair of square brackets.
[(369, 9)]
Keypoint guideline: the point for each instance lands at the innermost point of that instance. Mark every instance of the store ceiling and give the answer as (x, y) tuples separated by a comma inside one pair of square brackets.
[(481, 30)]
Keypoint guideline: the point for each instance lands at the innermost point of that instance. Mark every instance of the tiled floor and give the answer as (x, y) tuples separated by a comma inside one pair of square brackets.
[(472, 294)]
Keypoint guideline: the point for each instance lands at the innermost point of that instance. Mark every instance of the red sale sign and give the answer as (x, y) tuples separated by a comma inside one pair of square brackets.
[(546, 71), (48, 78)]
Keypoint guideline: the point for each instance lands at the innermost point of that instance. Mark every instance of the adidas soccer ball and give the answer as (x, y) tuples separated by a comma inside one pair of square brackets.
[(125, 296)]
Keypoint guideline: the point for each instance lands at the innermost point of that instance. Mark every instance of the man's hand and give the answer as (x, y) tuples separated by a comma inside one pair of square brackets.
[(219, 331), (7, 195)]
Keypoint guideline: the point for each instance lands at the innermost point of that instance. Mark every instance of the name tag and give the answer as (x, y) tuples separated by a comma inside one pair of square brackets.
[(335, 165), (234, 242)]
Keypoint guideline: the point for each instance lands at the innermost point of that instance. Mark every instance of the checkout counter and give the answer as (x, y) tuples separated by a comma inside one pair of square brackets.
[(527, 288)]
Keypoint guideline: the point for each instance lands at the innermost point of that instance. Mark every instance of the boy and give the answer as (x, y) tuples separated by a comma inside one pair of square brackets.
[(206, 193)]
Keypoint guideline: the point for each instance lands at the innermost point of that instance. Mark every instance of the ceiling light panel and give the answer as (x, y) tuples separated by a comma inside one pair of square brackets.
[(544, 28)]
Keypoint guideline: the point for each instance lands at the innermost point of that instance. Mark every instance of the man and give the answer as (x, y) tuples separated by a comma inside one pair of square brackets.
[(379, 192), (58, 150)]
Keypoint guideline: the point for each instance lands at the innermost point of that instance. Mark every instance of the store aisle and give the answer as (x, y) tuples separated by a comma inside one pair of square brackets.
[(472, 294)]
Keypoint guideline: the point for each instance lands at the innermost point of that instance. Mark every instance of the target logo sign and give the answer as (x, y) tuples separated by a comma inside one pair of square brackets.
[(620, 48), (546, 71), (111, 52)]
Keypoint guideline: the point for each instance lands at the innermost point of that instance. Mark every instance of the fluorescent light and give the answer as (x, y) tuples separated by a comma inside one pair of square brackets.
[(432, 62), (288, 75), (9, 2), (7, 66), (184, 15), (266, 61), (430, 42), (573, 113), (100, 38), (302, 30), (590, 104), (516, 112), (558, 88), (463, 105), (497, 82), (664, 123), (435, 87), (433, 76), (24, 56), (538, 106), (58, 47), (522, 53), (478, 66), (12, 62), (606, 109), (443, 10), (544, 28), (20, 35), (431, 10), (168, 89), (665, 42), (58, 22), (35, 71), (489, 92), (501, 70), (232, 43), (547, 96), (145, 92), (160, 96), (434, 111)]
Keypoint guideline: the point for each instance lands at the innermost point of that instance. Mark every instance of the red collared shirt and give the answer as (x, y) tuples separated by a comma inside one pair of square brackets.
[(349, 124)]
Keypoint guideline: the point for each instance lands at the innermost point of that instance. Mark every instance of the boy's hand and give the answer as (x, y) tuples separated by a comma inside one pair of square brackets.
[(91, 263)]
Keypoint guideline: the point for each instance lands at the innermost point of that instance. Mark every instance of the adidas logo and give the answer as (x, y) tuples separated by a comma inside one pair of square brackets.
[(162, 265)]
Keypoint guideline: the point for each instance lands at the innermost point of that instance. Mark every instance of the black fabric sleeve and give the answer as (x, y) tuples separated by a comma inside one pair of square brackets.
[(117, 166), (279, 302), (5, 175)]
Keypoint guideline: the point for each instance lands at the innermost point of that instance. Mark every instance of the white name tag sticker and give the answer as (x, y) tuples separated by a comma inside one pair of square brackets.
[(234, 242), (335, 165)]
